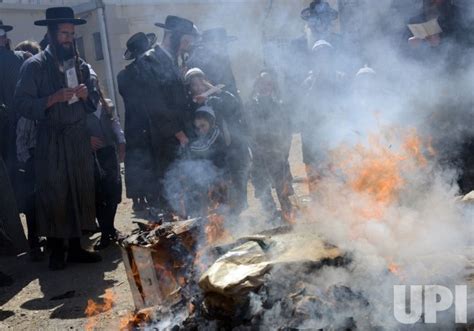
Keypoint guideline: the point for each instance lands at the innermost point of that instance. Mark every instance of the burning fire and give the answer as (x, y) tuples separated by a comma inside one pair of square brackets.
[(131, 320), (377, 170), (394, 268), (93, 309), (215, 229)]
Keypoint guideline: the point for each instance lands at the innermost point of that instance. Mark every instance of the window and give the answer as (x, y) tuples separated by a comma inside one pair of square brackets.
[(99, 54)]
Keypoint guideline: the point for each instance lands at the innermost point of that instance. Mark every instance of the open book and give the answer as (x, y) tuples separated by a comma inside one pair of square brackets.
[(425, 29)]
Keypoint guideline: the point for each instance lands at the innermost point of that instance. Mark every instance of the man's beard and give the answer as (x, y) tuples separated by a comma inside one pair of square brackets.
[(65, 53)]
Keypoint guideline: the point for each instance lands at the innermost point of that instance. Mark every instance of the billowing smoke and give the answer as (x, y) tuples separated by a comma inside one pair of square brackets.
[(187, 186), (388, 148)]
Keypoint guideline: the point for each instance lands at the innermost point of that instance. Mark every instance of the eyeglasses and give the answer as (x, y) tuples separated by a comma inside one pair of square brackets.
[(66, 34)]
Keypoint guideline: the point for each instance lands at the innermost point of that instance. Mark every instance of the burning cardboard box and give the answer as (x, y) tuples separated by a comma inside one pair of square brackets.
[(158, 260), (164, 264)]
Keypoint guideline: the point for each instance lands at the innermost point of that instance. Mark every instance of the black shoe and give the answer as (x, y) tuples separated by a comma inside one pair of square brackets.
[(103, 243), (106, 240), (83, 256), (56, 261), (5, 280)]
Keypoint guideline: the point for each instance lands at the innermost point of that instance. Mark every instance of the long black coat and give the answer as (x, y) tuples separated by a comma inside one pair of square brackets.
[(10, 64), (64, 164), (140, 174), (12, 237), (164, 98), (229, 116), (228, 108), (466, 162), (216, 67), (320, 108)]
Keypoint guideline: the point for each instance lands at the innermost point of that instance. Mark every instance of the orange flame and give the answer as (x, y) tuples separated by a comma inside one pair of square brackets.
[(377, 170), (215, 230), (199, 261), (394, 268), (131, 320), (93, 309)]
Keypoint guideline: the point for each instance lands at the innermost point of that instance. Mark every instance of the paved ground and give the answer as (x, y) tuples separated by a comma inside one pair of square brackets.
[(28, 304)]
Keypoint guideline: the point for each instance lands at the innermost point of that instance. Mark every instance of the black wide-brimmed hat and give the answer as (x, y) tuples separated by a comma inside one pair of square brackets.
[(5, 28), (319, 10), (217, 35), (59, 15), (139, 43), (179, 24)]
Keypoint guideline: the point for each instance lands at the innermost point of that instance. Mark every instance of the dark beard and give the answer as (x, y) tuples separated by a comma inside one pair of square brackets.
[(65, 53)]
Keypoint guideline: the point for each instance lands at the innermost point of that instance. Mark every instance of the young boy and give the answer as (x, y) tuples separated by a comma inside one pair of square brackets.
[(210, 143), (207, 157), (270, 136)]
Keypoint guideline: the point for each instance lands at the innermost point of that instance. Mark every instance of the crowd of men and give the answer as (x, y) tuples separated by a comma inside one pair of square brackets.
[(190, 143)]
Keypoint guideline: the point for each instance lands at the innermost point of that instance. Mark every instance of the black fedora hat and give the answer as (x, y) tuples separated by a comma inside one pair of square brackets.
[(179, 24), (217, 35), (5, 28), (58, 15), (319, 9), (139, 43)]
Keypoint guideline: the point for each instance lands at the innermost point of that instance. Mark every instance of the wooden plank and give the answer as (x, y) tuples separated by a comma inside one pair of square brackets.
[(147, 273), (136, 295)]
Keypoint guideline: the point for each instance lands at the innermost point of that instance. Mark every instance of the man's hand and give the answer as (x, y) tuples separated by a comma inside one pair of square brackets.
[(182, 138), (96, 143), (121, 152), (81, 92), (63, 95), (415, 42), (200, 99)]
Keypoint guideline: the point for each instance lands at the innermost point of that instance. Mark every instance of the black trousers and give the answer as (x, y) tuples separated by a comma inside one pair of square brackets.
[(108, 188), (272, 171), (165, 159), (27, 199), (238, 161), (466, 166)]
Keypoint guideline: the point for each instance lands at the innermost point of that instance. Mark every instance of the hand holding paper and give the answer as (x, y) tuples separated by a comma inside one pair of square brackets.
[(63, 95), (71, 78), (425, 29), (212, 90), (81, 92)]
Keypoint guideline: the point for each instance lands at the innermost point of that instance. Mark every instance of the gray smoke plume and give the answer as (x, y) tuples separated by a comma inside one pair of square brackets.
[(421, 232)]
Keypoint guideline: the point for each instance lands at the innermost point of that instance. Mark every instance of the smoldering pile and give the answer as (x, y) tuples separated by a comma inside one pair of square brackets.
[(267, 280), (179, 284), (284, 278)]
